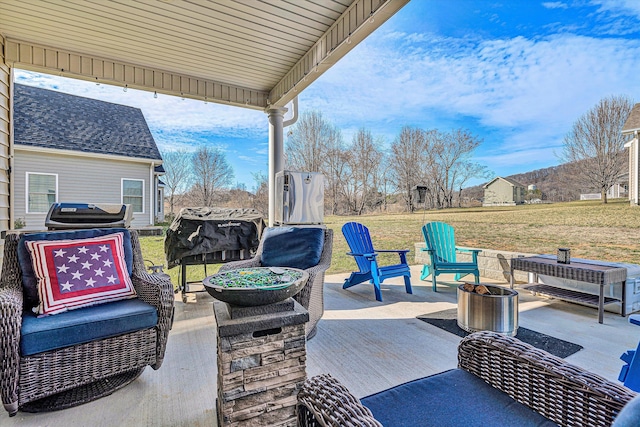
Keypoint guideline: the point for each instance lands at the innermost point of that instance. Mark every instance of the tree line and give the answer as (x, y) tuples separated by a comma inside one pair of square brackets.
[(364, 175), (361, 176)]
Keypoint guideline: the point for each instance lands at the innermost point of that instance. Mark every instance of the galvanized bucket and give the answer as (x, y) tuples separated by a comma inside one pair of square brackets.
[(497, 311)]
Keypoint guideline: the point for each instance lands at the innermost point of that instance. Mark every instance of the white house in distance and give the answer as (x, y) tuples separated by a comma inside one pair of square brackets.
[(73, 149), (503, 192), (632, 128)]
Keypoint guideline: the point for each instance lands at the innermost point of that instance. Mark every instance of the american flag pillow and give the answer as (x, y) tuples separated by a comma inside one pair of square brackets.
[(80, 272)]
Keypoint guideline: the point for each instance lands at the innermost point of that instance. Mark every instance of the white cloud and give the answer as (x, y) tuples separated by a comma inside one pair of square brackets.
[(555, 5), (536, 87), (167, 112), (619, 6)]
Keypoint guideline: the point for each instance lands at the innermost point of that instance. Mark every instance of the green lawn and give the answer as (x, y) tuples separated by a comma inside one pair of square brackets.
[(591, 229)]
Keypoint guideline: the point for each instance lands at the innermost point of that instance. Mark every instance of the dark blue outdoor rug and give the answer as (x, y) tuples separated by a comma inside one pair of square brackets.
[(447, 320)]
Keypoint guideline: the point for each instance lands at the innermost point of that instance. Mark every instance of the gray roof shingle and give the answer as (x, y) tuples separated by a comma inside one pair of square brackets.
[(633, 121), (49, 119)]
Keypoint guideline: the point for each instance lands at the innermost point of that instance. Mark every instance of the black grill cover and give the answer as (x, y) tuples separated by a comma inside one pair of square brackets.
[(198, 231)]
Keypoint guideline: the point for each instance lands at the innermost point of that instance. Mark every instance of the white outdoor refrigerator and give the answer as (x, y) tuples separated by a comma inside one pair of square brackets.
[(299, 198)]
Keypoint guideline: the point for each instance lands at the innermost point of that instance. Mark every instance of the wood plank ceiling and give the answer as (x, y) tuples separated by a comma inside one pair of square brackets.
[(243, 52)]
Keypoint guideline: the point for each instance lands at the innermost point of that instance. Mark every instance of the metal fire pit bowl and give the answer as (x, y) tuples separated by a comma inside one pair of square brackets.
[(497, 312), (255, 286)]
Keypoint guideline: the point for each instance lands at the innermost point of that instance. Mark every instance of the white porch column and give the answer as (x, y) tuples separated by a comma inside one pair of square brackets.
[(276, 155), (634, 176)]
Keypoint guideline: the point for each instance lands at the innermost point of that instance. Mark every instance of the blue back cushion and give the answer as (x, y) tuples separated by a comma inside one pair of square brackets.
[(29, 280), (295, 247), (451, 398)]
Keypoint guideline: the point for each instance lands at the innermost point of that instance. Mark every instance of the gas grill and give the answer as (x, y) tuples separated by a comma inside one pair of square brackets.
[(202, 235), (64, 216)]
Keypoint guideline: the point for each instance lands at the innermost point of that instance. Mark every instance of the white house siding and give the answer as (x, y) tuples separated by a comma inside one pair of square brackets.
[(5, 140), (80, 179)]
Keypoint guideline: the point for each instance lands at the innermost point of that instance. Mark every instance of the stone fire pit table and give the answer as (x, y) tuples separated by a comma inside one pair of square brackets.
[(261, 345), (256, 286)]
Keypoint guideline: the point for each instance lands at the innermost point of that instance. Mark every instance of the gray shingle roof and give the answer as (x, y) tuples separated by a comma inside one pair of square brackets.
[(633, 121), (49, 119)]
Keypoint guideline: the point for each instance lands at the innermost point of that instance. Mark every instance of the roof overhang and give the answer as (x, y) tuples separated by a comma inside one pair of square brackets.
[(255, 55)]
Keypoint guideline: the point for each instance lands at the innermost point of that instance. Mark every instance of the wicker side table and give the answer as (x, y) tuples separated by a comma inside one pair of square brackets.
[(601, 275)]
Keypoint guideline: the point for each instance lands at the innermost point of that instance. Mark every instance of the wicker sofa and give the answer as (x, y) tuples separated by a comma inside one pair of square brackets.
[(70, 374), (500, 381), (311, 296)]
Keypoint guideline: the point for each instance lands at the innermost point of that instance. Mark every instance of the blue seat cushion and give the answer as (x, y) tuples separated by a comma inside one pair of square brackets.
[(295, 247), (451, 398), (629, 416), (84, 325), (30, 281)]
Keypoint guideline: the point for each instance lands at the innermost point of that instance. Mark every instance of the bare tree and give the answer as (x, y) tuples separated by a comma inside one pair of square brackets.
[(334, 169), (315, 145), (454, 150), (308, 141), (261, 192), (364, 163), (211, 173), (406, 162), (466, 171), (177, 174), (595, 142)]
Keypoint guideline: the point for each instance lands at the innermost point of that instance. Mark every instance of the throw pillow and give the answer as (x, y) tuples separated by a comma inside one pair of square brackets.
[(80, 272), (295, 247), (29, 280)]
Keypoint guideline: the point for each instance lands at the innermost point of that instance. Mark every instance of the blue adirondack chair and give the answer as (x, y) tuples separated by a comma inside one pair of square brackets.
[(359, 240), (440, 241)]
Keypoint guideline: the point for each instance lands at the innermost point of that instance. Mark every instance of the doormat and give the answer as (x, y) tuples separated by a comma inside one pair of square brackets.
[(447, 320)]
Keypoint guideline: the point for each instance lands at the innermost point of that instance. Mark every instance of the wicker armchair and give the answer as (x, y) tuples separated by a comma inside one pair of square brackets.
[(561, 392), (68, 376), (311, 296)]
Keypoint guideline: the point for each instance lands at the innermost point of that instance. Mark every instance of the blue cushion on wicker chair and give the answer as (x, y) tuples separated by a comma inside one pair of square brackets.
[(630, 414), (85, 325), (295, 247), (451, 398)]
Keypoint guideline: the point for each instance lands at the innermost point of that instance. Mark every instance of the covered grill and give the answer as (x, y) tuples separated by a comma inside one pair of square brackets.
[(201, 236), (88, 215)]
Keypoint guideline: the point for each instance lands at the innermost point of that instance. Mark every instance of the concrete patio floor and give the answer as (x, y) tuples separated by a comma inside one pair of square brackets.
[(368, 345)]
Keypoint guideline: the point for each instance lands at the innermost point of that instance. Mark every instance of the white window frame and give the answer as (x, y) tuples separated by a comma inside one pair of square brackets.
[(122, 180), (26, 191)]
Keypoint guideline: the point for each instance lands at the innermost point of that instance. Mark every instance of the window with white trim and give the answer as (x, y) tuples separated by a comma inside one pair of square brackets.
[(133, 194), (42, 191)]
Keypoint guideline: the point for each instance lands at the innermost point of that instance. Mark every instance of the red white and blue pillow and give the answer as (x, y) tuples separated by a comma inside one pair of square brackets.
[(80, 272)]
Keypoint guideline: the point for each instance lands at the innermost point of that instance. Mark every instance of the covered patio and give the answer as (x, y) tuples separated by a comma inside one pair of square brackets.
[(259, 56), (368, 345)]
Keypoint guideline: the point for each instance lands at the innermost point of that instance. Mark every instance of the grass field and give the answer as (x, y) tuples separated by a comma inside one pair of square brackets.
[(592, 230)]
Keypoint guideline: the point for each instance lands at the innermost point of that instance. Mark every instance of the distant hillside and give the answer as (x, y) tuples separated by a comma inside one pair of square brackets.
[(557, 183)]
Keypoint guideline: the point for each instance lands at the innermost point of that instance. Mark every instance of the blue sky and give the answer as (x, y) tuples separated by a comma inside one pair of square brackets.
[(516, 73)]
